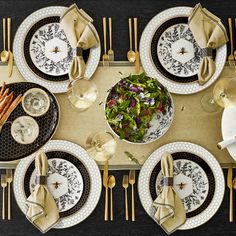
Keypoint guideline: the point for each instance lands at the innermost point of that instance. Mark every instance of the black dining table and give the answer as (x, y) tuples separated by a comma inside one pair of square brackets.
[(120, 11)]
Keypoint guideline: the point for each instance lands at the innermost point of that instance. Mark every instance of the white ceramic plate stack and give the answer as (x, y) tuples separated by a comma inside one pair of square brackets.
[(181, 59), (42, 51), (185, 182), (65, 181)]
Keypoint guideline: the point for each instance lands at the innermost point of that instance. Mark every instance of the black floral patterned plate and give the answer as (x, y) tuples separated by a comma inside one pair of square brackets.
[(68, 181), (174, 51), (47, 126), (47, 51), (193, 180)]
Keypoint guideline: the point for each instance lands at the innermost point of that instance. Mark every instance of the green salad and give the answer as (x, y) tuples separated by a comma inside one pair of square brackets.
[(132, 103)]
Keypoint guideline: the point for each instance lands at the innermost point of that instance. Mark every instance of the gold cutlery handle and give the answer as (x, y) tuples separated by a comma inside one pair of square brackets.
[(9, 201), (105, 34), (133, 210), (3, 203), (130, 34), (106, 205), (136, 34), (9, 33), (231, 35), (126, 206), (111, 206), (4, 33), (110, 32), (231, 206)]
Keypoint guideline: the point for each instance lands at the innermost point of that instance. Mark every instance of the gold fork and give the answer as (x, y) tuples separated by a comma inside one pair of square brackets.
[(132, 182), (110, 51), (4, 185), (231, 56), (137, 58), (105, 57), (125, 186), (9, 181)]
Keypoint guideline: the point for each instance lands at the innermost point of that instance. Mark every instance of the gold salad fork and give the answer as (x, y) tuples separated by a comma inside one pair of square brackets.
[(9, 181), (105, 57), (111, 54)]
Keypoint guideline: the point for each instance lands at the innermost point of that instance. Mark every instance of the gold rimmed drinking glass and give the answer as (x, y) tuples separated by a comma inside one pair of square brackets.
[(101, 146), (223, 96), (82, 94)]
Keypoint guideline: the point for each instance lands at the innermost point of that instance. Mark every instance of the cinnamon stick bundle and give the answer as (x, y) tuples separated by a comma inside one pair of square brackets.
[(7, 104)]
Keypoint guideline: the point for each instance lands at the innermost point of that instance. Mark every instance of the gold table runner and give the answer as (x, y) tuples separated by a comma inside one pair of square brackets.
[(191, 123)]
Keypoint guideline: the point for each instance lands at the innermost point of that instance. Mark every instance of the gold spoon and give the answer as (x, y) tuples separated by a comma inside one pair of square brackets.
[(130, 54), (234, 183), (4, 54), (231, 56), (111, 185)]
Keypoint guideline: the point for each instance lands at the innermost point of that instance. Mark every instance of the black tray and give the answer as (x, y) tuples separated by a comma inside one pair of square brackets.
[(11, 150)]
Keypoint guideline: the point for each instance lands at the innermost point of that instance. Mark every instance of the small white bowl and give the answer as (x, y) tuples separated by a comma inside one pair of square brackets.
[(25, 130), (35, 102)]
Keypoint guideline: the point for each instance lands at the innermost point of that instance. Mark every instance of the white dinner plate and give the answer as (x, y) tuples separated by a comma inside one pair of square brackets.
[(89, 186), (191, 86), (228, 128), (42, 52), (216, 187)]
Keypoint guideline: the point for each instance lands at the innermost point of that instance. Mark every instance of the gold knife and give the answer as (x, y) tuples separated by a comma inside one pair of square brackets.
[(137, 58), (230, 186), (10, 60), (105, 184)]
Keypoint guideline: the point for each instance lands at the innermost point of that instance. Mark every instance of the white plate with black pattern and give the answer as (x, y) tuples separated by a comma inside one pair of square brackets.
[(170, 54), (74, 181), (64, 181), (198, 179), (43, 54)]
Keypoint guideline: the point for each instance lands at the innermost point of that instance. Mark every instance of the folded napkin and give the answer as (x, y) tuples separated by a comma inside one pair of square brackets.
[(77, 26), (42, 209), (170, 212), (209, 33)]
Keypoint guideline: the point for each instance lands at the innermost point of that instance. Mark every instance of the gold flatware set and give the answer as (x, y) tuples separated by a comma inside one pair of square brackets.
[(125, 184), (133, 56), (108, 55), (7, 55), (109, 182), (232, 56), (6, 180)]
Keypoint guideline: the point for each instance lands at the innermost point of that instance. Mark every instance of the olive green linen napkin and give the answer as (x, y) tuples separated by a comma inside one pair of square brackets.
[(209, 33), (170, 212), (81, 34), (42, 209)]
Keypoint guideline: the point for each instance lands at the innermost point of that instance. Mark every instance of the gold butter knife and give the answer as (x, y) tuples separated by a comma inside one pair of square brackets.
[(105, 184), (230, 186), (4, 185), (10, 60), (137, 58), (132, 182)]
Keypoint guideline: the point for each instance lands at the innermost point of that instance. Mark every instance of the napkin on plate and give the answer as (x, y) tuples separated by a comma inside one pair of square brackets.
[(170, 212), (42, 209), (77, 26), (209, 33)]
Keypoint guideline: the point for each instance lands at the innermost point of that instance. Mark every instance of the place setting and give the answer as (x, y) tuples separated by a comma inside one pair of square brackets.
[(64, 173)]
